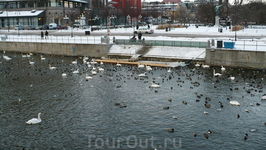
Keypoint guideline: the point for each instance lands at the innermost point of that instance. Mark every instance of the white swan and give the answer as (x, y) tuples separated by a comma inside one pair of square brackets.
[(153, 85), (118, 65), (236, 103), (93, 72), (263, 97), (231, 78), (169, 70), (142, 74), (88, 77), (205, 112), (35, 120), (148, 68), (140, 66), (31, 62), (52, 68), (216, 74), (6, 57), (64, 74), (76, 71), (75, 61), (205, 66), (197, 65), (42, 58), (222, 68), (100, 69)]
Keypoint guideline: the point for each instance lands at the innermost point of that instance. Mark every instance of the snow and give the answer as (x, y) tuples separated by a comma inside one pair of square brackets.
[(254, 40)]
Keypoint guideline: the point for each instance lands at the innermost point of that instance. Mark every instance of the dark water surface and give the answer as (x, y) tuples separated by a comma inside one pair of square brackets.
[(80, 114)]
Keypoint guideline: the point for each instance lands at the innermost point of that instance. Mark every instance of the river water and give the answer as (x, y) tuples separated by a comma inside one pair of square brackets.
[(81, 114)]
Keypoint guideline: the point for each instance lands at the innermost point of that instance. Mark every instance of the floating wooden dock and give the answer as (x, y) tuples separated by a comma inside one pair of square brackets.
[(117, 61)]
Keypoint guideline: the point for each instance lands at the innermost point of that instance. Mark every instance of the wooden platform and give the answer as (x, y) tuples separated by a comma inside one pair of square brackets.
[(117, 61)]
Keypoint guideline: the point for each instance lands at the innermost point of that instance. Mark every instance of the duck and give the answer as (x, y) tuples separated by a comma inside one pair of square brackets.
[(246, 136), (35, 120), (206, 135), (154, 85), (174, 117), (236, 103)]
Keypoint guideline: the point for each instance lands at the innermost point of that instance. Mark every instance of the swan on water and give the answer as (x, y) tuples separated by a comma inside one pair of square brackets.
[(263, 97), (93, 72), (100, 69), (76, 71), (155, 85), (88, 77), (117, 64), (52, 68), (205, 66), (142, 74), (31, 62), (148, 68), (64, 74), (35, 120), (197, 65), (6, 57), (42, 58), (236, 103), (75, 61), (231, 78), (140, 66), (216, 74), (222, 68)]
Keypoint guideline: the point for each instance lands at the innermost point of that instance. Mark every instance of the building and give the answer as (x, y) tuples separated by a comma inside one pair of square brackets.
[(37, 13)]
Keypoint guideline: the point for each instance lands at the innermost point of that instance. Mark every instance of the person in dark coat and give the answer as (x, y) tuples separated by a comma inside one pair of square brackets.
[(148, 26), (137, 27), (41, 35), (46, 34), (139, 35)]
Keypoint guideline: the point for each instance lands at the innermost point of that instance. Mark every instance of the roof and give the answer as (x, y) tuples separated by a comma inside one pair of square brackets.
[(20, 13)]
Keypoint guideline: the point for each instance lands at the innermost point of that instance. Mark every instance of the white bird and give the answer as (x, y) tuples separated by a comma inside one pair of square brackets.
[(64, 74), (148, 68), (263, 97), (205, 66), (222, 68), (42, 58), (174, 117), (6, 57), (93, 72), (35, 120), (52, 68), (23, 55), (153, 85), (205, 112), (142, 74), (236, 103), (169, 70), (118, 65), (76, 71), (88, 77), (216, 74), (231, 78), (197, 65), (31, 62), (75, 61), (140, 66), (100, 69)]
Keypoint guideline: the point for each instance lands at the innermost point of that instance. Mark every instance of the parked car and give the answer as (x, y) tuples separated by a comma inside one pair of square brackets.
[(144, 30), (31, 28), (85, 27), (61, 27), (52, 26), (39, 28), (19, 27), (45, 27)]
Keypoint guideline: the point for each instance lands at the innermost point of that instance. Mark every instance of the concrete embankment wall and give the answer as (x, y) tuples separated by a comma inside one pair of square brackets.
[(92, 50), (236, 58)]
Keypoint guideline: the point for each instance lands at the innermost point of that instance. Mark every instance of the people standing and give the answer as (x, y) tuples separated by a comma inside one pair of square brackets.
[(148, 26), (139, 35), (46, 34), (41, 35)]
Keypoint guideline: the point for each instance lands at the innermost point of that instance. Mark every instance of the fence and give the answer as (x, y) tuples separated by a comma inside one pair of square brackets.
[(163, 43), (52, 39)]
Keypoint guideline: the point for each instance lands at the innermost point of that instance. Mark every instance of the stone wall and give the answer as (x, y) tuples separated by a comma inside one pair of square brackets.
[(236, 58), (68, 49)]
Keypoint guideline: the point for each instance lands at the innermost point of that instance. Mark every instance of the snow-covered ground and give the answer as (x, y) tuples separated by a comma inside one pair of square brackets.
[(256, 42)]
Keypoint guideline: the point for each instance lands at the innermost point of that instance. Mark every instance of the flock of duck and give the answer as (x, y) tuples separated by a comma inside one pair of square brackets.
[(194, 74)]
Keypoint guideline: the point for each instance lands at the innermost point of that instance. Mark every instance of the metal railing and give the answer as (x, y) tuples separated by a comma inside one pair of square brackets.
[(163, 43)]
